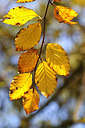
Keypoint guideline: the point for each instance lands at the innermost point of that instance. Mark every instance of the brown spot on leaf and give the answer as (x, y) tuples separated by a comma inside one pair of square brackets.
[(37, 82), (16, 88), (57, 12), (10, 91), (20, 7), (26, 92), (17, 24)]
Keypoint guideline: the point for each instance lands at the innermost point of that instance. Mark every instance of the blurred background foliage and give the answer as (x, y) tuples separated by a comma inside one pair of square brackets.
[(66, 107)]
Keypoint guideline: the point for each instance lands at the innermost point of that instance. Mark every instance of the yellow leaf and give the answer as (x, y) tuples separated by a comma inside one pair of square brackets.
[(19, 16), (58, 59), (31, 101), (23, 1), (64, 14), (27, 61), (28, 37), (45, 79), (20, 85)]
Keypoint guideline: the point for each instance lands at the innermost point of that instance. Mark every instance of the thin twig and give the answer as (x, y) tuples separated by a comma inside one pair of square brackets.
[(42, 43), (52, 3)]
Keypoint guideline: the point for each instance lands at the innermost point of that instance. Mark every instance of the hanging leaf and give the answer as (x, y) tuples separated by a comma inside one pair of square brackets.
[(28, 37), (24, 1), (64, 14), (45, 79), (20, 85), (19, 16), (31, 101), (27, 61), (58, 59)]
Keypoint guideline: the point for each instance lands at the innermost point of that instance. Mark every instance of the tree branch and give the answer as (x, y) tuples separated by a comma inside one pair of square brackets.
[(42, 43)]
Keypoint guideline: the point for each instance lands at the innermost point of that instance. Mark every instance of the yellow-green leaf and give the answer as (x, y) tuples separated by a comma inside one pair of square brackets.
[(19, 16), (28, 37), (58, 59), (45, 79), (65, 14), (20, 85), (27, 61), (31, 101), (23, 1)]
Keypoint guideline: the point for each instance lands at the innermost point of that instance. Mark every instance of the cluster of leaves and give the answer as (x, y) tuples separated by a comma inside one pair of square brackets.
[(57, 60)]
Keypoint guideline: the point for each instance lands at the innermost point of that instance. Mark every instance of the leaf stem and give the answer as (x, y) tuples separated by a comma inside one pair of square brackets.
[(33, 85)]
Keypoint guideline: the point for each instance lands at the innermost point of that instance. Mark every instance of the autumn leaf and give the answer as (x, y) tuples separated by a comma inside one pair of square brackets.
[(58, 59), (20, 85), (31, 101), (19, 16), (29, 37), (64, 14), (23, 1), (45, 79), (27, 61)]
